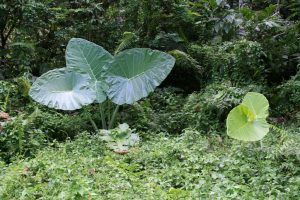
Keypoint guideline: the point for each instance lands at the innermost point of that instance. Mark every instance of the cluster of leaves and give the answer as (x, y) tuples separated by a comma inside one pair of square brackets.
[(187, 65), (242, 62), (162, 111), (191, 166), (120, 139), (14, 93), (288, 98), (278, 37), (20, 138), (218, 20), (7, 90), (62, 125)]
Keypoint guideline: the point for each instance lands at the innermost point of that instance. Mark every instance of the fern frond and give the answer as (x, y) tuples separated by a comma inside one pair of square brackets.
[(186, 60), (24, 85), (128, 39)]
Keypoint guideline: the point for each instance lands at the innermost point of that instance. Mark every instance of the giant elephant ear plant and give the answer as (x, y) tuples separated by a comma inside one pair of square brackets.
[(92, 75)]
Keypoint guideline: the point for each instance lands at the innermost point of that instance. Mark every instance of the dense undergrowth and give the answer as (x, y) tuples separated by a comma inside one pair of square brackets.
[(191, 166)]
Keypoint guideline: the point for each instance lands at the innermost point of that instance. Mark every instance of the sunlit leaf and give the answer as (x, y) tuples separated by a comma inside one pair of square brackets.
[(258, 103), (247, 121), (242, 126)]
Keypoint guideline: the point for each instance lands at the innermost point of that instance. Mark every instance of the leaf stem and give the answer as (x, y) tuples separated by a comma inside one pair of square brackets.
[(104, 125), (93, 124), (112, 121)]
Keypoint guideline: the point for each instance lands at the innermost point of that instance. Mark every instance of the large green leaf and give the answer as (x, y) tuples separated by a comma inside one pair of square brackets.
[(90, 58), (242, 124), (64, 89), (135, 73), (258, 103)]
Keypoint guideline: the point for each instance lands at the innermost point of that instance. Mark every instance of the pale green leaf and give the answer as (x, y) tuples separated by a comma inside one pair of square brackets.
[(63, 89), (242, 125), (258, 103), (135, 73), (90, 58)]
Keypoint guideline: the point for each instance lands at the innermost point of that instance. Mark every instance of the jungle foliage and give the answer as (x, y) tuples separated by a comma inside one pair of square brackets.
[(236, 65)]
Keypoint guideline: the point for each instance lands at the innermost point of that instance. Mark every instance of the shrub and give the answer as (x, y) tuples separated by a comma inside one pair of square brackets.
[(244, 62), (206, 56), (167, 41), (168, 104), (19, 138), (14, 94), (161, 111), (62, 125), (185, 66), (241, 62), (288, 98), (9, 95)]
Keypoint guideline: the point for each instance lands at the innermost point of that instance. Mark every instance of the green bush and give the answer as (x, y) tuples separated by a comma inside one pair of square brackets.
[(14, 95), (281, 43), (242, 62), (288, 98), (168, 103), (19, 138), (191, 166), (206, 56), (185, 66), (161, 111), (10, 96), (24, 134), (61, 125), (207, 110)]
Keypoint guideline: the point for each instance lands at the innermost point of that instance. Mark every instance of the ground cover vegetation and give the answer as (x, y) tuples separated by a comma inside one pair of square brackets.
[(186, 99)]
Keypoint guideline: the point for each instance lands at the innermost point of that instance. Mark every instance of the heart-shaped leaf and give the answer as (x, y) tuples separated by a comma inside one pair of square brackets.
[(63, 89), (135, 73), (91, 58)]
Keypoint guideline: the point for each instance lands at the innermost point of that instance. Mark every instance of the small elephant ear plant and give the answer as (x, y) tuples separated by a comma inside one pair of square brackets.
[(93, 75), (248, 121)]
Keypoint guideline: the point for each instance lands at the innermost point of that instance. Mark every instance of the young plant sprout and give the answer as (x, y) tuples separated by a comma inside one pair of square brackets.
[(120, 139)]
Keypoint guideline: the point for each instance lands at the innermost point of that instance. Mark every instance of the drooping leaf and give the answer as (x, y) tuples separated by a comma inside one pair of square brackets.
[(91, 58), (64, 89), (243, 125), (135, 73), (258, 103)]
